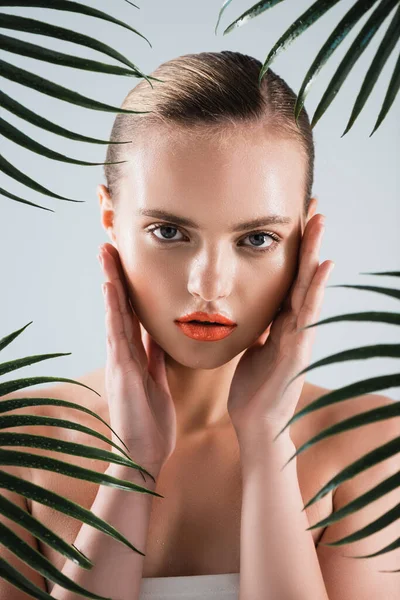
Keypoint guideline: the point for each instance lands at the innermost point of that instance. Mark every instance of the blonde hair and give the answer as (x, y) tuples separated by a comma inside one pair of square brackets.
[(209, 93)]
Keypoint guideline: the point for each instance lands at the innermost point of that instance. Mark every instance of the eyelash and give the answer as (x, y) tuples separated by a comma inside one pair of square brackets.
[(276, 238)]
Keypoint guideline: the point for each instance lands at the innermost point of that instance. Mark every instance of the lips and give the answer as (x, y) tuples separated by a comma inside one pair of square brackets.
[(203, 332), (206, 318)]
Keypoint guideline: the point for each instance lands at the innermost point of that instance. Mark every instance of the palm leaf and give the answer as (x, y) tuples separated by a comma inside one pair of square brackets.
[(385, 48), (28, 25), (391, 94), (28, 115), (70, 6), (308, 18), (364, 418), (40, 531), (379, 317), (383, 488), (384, 273), (366, 386), (23, 48), (15, 458), (370, 288), (4, 192), (380, 523), (9, 573), (358, 466), (37, 441), (311, 16), (55, 90), (16, 174), (363, 353), (257, 9), (16, 136), (353, 54)]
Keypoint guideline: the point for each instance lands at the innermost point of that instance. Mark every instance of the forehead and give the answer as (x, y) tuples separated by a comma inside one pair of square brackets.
[(246, 168)]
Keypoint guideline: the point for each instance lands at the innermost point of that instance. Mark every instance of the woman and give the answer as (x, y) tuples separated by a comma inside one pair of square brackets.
[(212, 212)]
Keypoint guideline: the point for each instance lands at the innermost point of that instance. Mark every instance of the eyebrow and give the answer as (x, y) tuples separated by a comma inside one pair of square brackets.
[(260, 221)]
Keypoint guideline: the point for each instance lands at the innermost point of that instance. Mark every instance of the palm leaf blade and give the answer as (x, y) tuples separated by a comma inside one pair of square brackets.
[(370, 288), (366, 386), (12, 575), (70, 6), (385, 49), (23, 48), (362, 353), (36, 461), (370, 459), (55, 90), (252, 12), (7, 387), (353, 54), (364, 418), (28, 25), (20, 138), (379, 317), (379, 490), (5, 341), (56, 445), (15, 403), (380, 523), (391, 94), (40, 563), (19, 176), (19, 363), (4, 192), (61, 504), (37, 529), (302, 23), (28, 115)]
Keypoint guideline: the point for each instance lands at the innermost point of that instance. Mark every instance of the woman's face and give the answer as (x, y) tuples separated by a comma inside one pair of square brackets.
[(178, 269)]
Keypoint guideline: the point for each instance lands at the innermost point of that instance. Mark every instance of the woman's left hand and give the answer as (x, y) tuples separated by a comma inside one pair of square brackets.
[(257, 397)]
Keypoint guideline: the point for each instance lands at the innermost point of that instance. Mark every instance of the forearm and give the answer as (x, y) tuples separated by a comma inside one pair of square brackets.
[(277, 555), (117, 570)]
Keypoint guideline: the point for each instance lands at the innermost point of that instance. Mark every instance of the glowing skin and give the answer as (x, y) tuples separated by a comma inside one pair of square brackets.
[(171, 272)]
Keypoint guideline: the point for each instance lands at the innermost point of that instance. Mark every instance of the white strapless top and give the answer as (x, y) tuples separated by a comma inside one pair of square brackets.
[(223, 586)]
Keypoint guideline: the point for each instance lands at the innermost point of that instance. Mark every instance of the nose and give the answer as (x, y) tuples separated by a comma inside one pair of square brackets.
[(211, 275)]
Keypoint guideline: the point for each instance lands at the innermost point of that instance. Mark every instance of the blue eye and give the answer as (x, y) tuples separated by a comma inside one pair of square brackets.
[(162, 226)]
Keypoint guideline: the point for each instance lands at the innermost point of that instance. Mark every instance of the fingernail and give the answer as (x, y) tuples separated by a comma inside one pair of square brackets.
[(104, 288), (100, 259)]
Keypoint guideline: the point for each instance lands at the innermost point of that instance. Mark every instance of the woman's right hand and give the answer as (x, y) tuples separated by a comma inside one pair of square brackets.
[(141, 407)]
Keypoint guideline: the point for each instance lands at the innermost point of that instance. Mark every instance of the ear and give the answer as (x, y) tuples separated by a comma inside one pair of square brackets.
[(107, 213)]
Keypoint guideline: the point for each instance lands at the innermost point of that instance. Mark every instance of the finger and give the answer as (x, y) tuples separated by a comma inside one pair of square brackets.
[(118, 350), (308, 261), (312, 305), (114, 274)]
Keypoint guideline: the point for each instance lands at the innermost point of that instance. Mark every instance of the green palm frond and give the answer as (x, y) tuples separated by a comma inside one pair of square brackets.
[(4, 192), (70, 6), (35, 461), (28, 25), (388, 411), (16, 136), (346, 24), (358, 46), (33, 81), (386, 46), (391, 94)]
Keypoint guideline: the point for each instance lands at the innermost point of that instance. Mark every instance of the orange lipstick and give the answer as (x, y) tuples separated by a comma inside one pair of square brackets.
[(206, 327)]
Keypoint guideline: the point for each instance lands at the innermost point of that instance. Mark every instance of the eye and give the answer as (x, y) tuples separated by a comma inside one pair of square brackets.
[(160, 227), (273, 241)]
